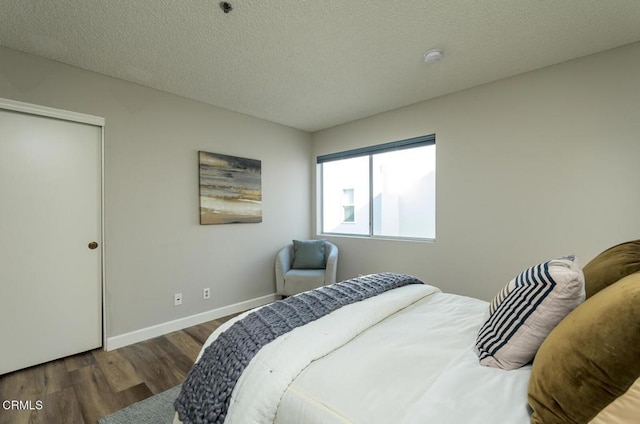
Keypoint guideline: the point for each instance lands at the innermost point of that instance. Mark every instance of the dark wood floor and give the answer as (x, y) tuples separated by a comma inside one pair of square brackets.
[(82, 388)]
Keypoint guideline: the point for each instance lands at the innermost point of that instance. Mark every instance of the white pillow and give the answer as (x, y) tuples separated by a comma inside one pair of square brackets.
[(526, 310)]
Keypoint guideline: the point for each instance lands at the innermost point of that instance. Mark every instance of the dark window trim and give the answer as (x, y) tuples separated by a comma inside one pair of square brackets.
[(425, 140)]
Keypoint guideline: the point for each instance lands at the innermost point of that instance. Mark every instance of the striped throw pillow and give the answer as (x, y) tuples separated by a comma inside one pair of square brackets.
[(526, 310)]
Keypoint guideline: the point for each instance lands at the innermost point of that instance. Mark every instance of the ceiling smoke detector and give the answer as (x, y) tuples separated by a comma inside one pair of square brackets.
[(432, 56)]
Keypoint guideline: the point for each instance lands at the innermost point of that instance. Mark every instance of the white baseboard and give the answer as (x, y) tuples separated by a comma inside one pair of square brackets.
[(143, 334)]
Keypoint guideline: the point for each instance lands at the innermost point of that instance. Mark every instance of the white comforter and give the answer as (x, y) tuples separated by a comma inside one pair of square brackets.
[(405, 356)]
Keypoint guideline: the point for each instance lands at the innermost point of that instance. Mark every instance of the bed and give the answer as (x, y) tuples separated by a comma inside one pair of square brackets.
[(408, 353)]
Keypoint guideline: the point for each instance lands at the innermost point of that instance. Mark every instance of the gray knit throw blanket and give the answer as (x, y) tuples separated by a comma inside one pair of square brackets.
[(206, 393)]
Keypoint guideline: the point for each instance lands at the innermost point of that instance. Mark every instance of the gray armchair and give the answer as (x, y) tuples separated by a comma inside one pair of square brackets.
[(290, 281)]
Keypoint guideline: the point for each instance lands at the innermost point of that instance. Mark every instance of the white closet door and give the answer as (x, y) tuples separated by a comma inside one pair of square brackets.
[(50, 211)]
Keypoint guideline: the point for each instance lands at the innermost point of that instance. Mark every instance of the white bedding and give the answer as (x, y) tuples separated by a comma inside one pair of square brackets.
[(405, 356)]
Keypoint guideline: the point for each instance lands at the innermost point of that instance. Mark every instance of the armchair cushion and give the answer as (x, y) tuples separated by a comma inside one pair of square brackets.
[(309, 254), (303, 280)]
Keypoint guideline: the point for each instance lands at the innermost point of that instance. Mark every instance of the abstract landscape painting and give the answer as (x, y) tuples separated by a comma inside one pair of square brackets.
[(230, 189)]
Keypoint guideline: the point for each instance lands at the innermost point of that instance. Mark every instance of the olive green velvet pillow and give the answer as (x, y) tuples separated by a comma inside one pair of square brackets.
[(611, 265), (590, 359)]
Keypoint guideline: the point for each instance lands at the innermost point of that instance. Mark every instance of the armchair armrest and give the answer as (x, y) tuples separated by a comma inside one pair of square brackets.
[(332, 263), (283, 265)]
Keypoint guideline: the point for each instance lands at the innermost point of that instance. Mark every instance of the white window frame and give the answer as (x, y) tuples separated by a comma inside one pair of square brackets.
[(370, 151)]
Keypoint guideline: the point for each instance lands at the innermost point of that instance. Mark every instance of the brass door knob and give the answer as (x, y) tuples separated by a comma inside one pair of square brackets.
[(93, 245)]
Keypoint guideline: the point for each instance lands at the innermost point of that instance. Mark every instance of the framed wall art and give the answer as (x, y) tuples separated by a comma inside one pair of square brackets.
[(230, 189)]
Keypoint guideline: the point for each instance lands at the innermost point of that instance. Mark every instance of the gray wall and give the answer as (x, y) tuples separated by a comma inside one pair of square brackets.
[(528, 168), (154, 244), (531, 167)]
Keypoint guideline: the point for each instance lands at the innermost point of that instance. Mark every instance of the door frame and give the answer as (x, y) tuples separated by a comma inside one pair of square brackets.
[(97, 121)]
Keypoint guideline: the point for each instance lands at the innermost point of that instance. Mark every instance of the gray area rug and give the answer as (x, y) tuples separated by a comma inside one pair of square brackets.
[(157, 409)]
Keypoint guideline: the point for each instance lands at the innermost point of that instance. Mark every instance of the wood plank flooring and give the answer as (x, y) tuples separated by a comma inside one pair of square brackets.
[(82, 388)]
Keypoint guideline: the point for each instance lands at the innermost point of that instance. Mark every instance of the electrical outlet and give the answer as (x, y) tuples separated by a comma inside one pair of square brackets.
[(177, 299), (206, 294)]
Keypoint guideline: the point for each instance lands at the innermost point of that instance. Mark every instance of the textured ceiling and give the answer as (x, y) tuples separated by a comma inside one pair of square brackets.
[(314, 64)]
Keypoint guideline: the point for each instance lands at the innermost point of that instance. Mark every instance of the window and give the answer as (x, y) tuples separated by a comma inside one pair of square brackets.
[(348, 208), (386, 190)]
